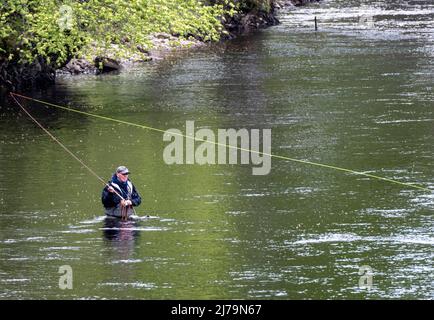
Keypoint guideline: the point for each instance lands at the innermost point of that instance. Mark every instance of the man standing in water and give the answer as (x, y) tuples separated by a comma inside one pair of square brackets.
[(120, 184)]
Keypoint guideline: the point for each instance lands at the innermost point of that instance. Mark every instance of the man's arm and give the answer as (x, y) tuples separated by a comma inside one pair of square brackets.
[(136, 200), (109, 199)]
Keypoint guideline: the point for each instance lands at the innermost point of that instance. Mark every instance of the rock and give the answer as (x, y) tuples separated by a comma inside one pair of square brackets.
[(14, 75), (125, 39), (298, 3), (142, 49), (162, 35), (246, 22), (108, 64), (78, 66)]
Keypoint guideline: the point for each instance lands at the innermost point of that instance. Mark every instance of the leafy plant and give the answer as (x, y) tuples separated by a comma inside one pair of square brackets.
[(59, 30)]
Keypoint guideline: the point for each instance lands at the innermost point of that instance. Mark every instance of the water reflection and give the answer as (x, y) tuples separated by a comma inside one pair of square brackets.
[(116, 230), (121, 240)]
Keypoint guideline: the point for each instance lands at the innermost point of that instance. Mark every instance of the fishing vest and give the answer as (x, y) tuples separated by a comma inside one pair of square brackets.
[(129, 188), (116, 211)]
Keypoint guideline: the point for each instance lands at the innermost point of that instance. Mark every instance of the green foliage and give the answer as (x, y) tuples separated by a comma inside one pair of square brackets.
[(245, 5), (58, 30), (29, 29)]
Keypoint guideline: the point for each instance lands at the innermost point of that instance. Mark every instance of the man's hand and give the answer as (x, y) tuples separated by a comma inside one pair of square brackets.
[(110, 189), (126, 203)]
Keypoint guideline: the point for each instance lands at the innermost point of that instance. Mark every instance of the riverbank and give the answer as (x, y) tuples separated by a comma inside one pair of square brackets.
[(124, 51)]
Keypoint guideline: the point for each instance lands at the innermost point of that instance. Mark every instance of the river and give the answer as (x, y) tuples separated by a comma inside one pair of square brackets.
[(357, 94)]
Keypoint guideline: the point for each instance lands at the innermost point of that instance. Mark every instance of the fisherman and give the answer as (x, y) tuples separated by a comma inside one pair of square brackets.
[(120, 186)]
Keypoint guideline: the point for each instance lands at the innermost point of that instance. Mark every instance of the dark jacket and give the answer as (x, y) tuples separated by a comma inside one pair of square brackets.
[(111, 201)]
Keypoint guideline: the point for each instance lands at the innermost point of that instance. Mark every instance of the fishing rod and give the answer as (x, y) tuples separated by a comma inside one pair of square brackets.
[(124, 215), (322, 165)]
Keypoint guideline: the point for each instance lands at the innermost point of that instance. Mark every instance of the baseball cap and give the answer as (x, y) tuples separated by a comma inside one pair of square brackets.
[(122, 170)]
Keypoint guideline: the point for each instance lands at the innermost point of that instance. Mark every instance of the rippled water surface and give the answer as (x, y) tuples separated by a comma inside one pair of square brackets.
[(357, 94)]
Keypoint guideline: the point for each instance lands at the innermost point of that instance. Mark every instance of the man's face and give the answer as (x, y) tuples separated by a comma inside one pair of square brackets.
[(122, 177)]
